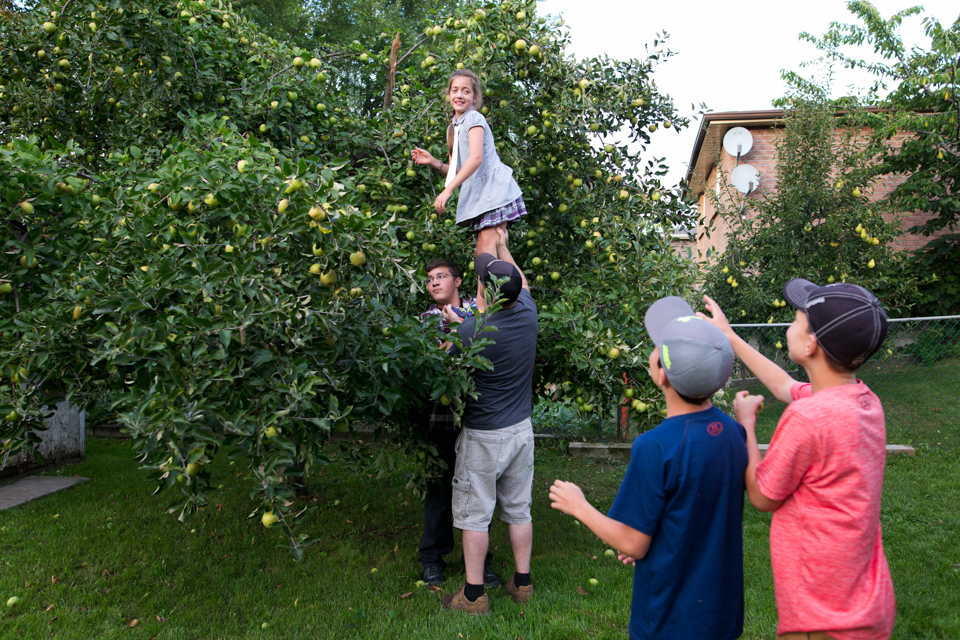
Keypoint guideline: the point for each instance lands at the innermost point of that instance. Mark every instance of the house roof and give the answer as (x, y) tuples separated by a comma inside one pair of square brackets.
[(715, 125)]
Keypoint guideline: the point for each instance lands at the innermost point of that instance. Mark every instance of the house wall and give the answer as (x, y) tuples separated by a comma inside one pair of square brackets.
[(712, 229)]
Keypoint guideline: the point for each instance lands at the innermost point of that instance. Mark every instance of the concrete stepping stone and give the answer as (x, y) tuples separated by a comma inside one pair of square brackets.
[(27, 489), (621, 450)]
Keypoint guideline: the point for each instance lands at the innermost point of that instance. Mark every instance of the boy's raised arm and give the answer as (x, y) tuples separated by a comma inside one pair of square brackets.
[(768, 372)]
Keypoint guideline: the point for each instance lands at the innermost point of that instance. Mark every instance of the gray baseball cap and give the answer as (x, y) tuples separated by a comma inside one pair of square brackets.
[(696, 356)]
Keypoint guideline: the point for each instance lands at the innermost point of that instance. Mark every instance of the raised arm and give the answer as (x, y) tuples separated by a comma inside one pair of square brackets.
[(504, 254), (767, 371)]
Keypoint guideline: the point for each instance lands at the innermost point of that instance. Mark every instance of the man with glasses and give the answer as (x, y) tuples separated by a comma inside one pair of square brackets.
[(443, 284)]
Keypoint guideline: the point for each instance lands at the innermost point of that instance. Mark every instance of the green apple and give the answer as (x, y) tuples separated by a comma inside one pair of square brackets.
[(613, 353), (316, 269), (298, 62), (271, 432), (555, 276), (358, 259), (12, 602), (26, 207), (268, 520), (193, 469), (520, 45), (282, 205), (328, 278), (5, 287), (593, 582), (49, 27)]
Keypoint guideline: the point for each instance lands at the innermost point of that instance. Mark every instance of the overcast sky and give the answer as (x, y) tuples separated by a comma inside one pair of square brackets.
[(729, 54)]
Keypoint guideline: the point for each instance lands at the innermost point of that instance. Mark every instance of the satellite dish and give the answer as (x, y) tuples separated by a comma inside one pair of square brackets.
[(737, 142), (745, 178)]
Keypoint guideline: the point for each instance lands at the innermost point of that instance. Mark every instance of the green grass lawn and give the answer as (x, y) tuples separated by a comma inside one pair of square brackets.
[(89, 561)]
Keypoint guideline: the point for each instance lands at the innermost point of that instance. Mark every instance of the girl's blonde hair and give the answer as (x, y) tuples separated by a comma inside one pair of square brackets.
[(477, 100)]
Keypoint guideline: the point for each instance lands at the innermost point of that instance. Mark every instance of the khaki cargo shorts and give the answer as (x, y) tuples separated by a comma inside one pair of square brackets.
[(493, 468)]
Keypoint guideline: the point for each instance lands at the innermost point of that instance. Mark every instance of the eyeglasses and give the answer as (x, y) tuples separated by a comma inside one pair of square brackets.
[(437, 278)]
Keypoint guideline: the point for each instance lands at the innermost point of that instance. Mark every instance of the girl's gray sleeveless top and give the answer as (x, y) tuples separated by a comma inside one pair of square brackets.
[(492, 185)]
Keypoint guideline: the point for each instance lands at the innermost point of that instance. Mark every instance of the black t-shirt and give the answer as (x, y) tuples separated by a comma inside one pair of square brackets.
[(505, 392)]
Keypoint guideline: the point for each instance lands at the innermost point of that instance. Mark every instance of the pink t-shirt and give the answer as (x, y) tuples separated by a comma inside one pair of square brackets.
[(826, 462)]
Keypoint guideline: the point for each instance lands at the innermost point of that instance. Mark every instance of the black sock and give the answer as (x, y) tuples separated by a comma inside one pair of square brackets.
[(521, 579), (473, 591)]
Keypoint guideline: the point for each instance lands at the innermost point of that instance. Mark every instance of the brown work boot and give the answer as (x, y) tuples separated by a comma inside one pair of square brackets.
[(519, 594), (458, 601)]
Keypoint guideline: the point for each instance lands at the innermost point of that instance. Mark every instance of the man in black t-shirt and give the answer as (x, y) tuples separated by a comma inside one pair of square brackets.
[(495, 448)]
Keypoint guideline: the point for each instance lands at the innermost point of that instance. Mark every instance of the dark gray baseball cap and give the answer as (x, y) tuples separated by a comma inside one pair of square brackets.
[(848, 320), (489, 267), (696, 356)]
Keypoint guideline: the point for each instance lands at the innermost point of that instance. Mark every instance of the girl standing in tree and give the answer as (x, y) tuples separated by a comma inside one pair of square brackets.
[(489, 196)]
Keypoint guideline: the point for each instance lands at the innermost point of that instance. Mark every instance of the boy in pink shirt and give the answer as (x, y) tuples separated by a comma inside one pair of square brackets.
[(823, 473)]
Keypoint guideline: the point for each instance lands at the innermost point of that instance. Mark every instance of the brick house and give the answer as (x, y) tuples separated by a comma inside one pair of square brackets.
[(765, 128)]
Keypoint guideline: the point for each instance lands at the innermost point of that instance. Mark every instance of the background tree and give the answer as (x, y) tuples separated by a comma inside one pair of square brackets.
[(319, 24), (917, 87), (202, 222), (817, 223)]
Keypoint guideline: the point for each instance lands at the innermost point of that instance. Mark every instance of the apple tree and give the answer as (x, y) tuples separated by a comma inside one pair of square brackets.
[(204, 223), (917, 88)]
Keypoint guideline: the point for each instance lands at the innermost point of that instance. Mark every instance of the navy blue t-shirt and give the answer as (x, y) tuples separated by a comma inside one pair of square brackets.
[(684, 487)]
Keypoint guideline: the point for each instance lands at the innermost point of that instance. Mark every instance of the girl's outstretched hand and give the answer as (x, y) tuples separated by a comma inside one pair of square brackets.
[(716, 317), (440, 204), (422, 156)]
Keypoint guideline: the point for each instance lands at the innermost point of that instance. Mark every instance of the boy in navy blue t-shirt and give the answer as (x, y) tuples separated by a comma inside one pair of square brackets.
[(678, 516)]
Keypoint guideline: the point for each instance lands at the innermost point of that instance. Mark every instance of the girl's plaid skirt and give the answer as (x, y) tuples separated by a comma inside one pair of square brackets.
[(508, 213)]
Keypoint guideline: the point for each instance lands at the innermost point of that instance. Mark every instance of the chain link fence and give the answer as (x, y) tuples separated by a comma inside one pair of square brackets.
[(916, 375)]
